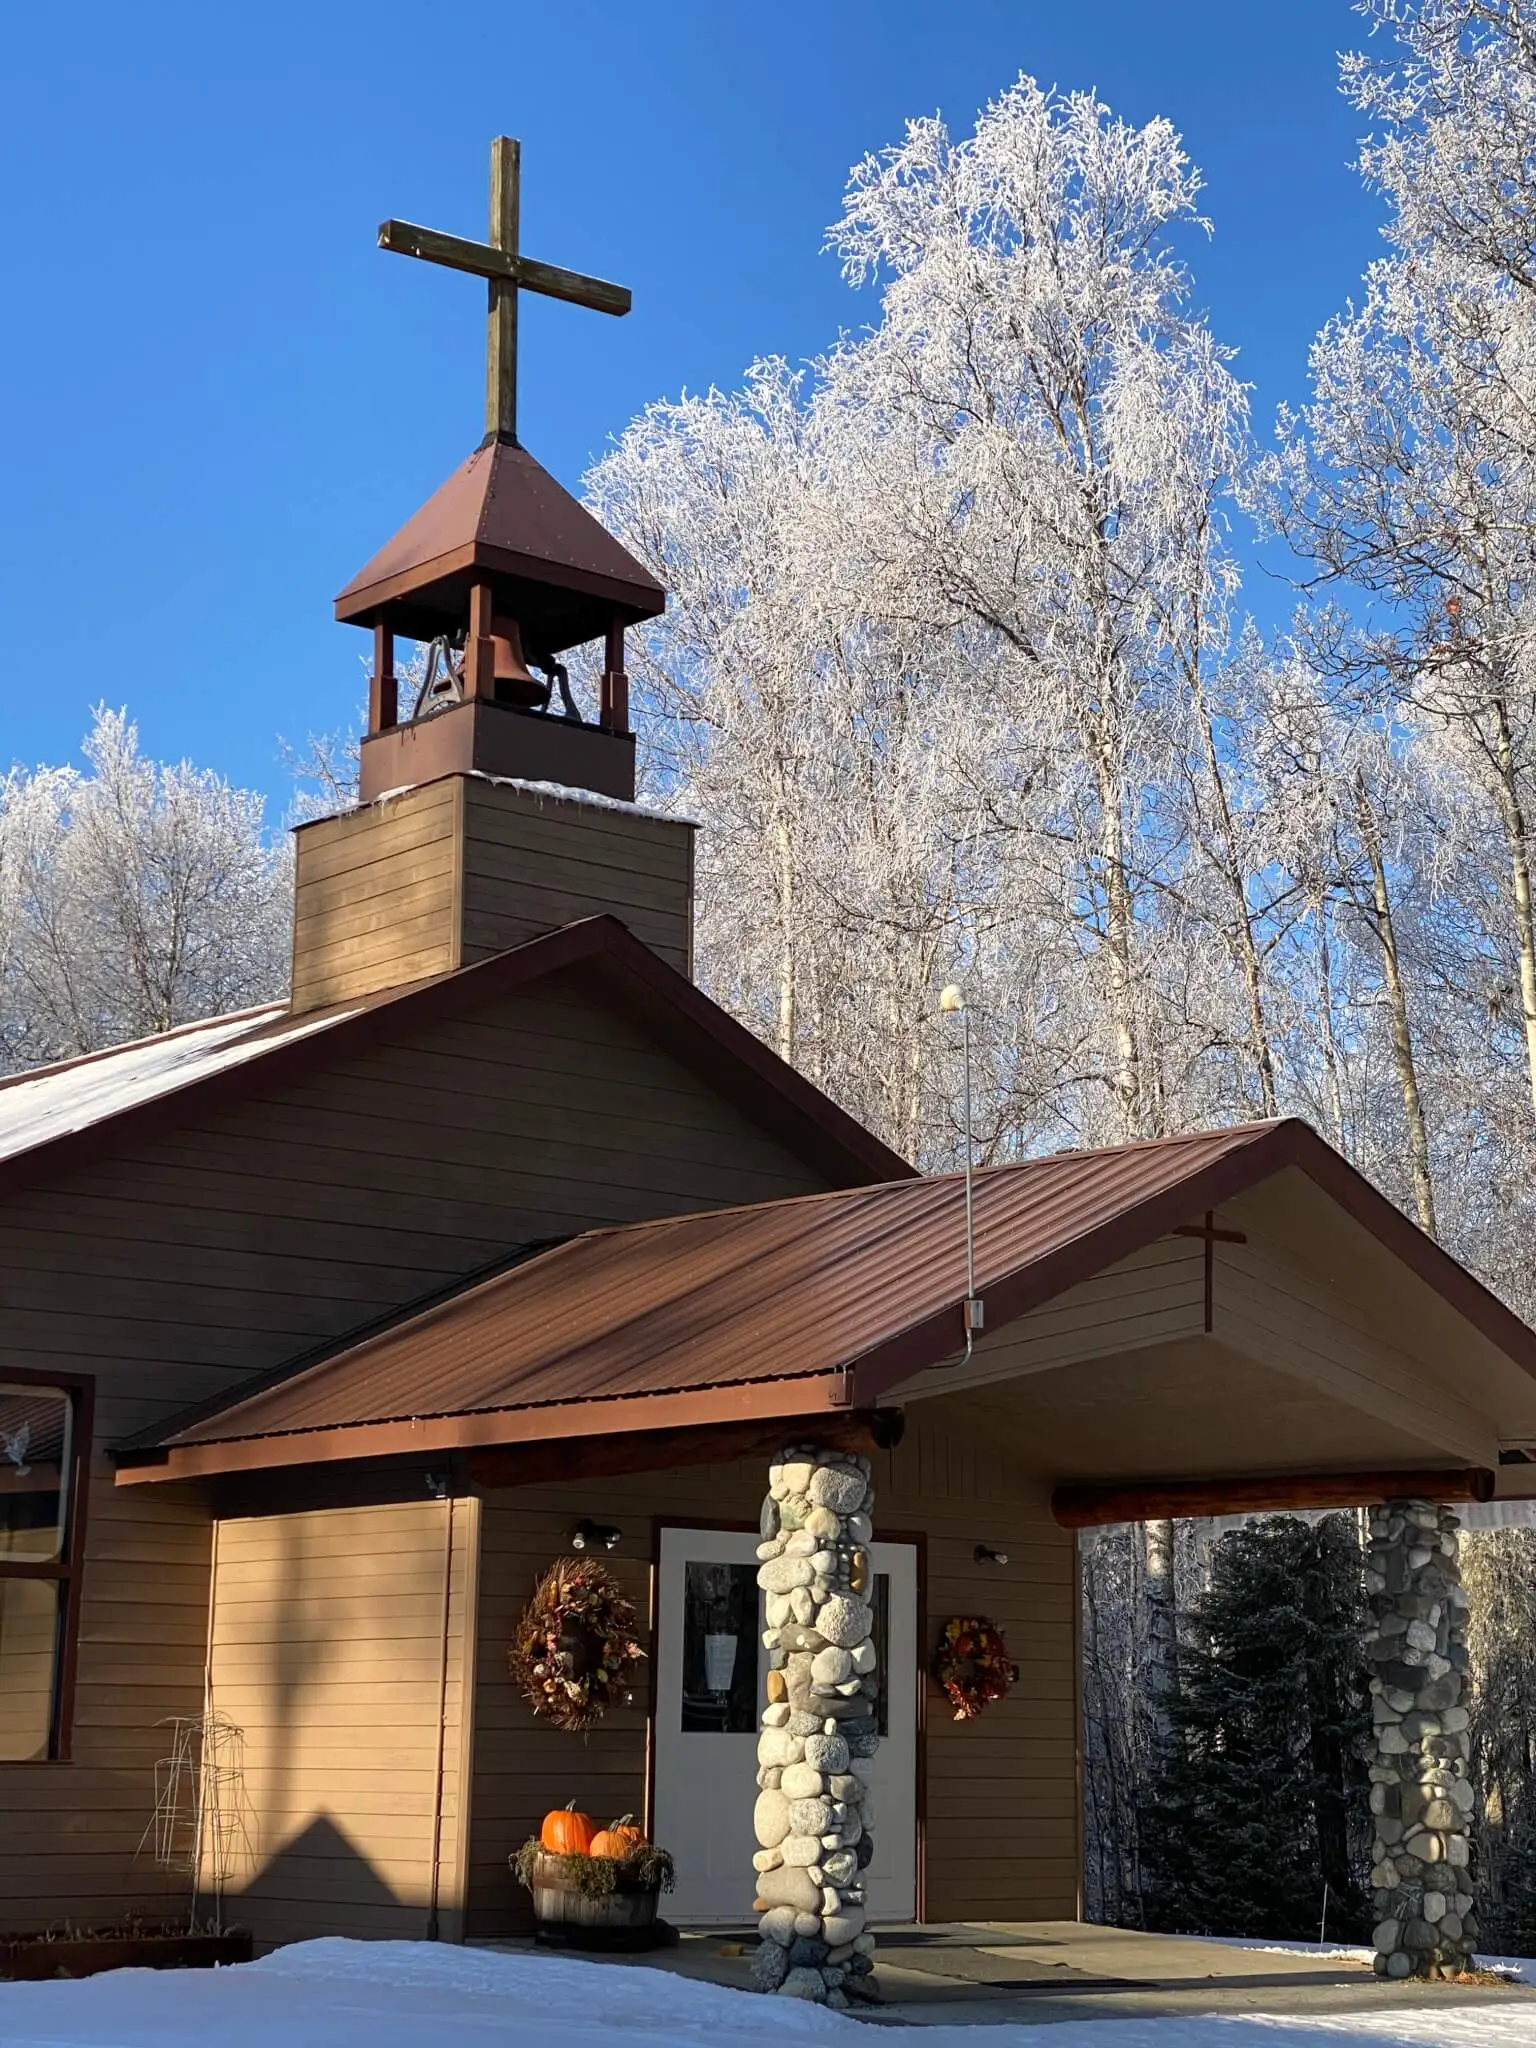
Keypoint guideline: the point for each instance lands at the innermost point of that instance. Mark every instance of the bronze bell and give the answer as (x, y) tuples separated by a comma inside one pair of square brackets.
[(514, 684)]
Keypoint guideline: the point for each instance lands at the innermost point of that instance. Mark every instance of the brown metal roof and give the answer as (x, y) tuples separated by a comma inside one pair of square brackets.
[(783, 1307), (502, 512)]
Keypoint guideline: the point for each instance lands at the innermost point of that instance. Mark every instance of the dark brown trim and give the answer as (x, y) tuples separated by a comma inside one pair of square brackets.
[(1079, 1730), (717, 1047), (68, 1570), (669, 1450), (359, 603), (1092, 1507), (940, 1337), (487, 1428)]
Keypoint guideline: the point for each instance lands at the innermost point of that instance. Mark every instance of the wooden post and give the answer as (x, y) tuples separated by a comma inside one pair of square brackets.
[(479, 654), (383, 694), (501, 294), (613, 701)]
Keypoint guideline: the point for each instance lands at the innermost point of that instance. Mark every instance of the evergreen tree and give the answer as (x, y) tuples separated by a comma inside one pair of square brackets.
[(1261, 1795)]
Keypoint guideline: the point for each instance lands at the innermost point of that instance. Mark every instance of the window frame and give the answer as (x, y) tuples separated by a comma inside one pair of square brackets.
[(66, 1570)]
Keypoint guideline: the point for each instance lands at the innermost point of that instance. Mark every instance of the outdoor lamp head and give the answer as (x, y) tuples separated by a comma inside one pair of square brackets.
[(951, 999)]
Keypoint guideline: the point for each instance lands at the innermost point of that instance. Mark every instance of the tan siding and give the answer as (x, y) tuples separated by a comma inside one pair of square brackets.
[(375, 895), (1002, 1827), (224, 1247), (459, 869), (70, 1835), (1274, 1309), (1155, 1296), (329, 1655), (533, 863)]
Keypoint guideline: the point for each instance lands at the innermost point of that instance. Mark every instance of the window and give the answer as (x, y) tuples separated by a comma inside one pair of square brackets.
[(720, 1638), (44, 1429)]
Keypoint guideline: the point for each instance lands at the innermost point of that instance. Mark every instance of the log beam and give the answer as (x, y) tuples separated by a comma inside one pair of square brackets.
[(1092, 1507), (669, 1450)]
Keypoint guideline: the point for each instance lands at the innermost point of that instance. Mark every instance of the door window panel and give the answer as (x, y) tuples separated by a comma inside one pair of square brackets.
[(720, 1641), (880, 1635)]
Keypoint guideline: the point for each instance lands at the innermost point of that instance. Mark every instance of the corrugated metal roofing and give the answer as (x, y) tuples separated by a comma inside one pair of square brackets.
[(809, 1286)]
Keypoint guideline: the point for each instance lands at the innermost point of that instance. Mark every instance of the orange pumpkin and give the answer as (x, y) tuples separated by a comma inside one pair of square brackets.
[(619, 1838), (568, 1833)]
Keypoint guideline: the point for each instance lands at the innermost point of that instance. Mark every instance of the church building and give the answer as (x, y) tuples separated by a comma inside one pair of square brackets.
[(329, 1326)]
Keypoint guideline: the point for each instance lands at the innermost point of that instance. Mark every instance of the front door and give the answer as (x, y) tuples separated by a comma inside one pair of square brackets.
[(710, 1665)]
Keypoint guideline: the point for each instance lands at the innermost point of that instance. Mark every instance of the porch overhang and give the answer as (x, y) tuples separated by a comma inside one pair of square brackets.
[(1238, 1315)]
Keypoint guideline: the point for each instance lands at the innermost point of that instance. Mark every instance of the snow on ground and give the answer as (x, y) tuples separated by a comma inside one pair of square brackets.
[(354, 1994), (1518, 1969)]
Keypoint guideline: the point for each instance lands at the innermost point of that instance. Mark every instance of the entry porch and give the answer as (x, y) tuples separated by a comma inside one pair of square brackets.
[(1235, 1320)]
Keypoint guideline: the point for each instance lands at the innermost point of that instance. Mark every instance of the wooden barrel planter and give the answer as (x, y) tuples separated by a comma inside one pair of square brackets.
[(566, 1916)]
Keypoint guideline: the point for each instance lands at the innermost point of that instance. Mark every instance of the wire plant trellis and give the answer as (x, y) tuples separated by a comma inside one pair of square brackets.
[(198, 1825)]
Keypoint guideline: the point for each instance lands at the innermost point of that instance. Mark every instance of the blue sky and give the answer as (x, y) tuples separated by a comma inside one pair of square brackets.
[(219, 397)]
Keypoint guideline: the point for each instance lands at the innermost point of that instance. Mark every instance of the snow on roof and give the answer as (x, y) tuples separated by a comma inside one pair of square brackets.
[(51, 1102), (558, 792)]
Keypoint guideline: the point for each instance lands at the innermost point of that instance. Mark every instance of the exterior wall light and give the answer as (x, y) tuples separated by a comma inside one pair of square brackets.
[(985, 1554), (596, 1536)]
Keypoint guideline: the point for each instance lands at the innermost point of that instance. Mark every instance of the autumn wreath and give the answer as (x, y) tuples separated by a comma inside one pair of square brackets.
[(573, 1653), (973, 1666)]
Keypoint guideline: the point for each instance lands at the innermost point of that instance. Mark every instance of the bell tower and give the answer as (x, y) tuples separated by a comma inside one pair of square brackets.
[(491, 809), (500, 572)]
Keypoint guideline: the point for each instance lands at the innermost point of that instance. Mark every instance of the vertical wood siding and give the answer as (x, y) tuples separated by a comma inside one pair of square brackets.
[(1002, 1823), (328, 1653)]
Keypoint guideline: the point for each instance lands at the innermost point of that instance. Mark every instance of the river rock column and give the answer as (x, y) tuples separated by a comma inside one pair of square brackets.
[(1421, 1796), (819, 1729)]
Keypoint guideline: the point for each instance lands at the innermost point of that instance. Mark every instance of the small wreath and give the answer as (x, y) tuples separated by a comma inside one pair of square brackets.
[(973, 1666), (573, 1654)]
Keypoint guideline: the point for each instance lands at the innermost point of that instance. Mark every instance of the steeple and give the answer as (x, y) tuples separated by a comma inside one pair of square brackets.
[(501, 571)]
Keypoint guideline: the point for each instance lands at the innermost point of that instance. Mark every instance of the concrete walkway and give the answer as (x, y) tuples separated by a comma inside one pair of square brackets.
[(1040, 1973)]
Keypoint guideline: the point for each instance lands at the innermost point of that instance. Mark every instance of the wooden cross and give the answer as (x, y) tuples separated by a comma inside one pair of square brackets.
[(1213, 1237), (506, 272)]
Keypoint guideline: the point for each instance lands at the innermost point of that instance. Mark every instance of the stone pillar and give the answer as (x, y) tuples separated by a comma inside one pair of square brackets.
[(1421, 1796), (819, 1729)]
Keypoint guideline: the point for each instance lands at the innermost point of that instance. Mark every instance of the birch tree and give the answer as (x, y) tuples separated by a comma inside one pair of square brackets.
[(133, 896)]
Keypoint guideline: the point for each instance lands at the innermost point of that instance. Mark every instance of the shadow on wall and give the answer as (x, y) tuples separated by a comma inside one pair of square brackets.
[(321, 1882)]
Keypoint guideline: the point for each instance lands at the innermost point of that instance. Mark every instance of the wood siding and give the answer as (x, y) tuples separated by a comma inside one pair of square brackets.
[(1002, 1819), (71, 1833), (1155, 1296), (332, 1653), (457, 870), (226, 1246), (534, 863), (375, 894)]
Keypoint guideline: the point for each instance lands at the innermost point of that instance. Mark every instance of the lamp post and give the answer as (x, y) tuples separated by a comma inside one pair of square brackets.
[(952, 1003)]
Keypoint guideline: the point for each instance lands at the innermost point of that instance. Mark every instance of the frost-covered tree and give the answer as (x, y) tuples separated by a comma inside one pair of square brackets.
[(133, 896), (1451, 94), (944, 609)]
